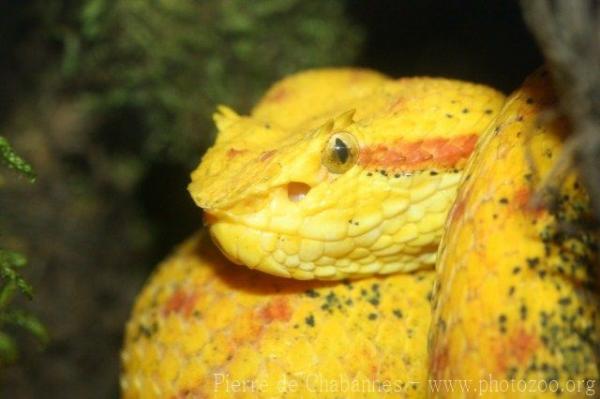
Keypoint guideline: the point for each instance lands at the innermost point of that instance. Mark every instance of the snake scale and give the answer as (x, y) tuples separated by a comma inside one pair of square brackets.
[(345, 174)]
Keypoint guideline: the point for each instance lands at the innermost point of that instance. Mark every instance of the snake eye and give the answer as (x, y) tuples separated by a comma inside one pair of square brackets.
[(341, 152)]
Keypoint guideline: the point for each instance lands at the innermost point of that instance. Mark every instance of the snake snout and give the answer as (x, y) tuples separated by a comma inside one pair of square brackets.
[(297, 191)]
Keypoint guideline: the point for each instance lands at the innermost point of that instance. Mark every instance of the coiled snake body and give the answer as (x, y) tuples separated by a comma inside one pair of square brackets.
[(343, 173)]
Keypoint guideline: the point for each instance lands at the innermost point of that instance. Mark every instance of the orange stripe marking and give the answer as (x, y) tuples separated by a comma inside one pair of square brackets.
[(405, 155)]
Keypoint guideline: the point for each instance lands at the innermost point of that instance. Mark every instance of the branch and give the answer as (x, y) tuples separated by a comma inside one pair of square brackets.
[(568, 33)]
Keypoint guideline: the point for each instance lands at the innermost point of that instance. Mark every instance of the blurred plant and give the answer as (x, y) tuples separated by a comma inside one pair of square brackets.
[(11, 281), (113, 101), (172, 61)]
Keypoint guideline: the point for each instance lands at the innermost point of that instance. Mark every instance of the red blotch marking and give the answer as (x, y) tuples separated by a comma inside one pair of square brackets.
[(519, 345), (277, 309), (439, 361), (403, 155), (253, 329), (523, 201), (181, 302), (278, 95), (522, 345), (458, 209), (232, 153), (522, 196), (374, 371), (191, 393), (266, 155)]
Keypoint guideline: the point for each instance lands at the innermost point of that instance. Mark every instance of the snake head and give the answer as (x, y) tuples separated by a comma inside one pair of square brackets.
[(340, 172)]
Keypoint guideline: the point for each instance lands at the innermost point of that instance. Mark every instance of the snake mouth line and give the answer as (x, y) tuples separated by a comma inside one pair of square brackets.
[(208, 219)]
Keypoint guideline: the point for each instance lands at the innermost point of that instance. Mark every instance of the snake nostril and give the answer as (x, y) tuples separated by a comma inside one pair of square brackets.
[(297, 191)]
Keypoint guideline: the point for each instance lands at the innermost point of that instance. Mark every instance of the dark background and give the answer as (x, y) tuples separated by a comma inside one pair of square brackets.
[(111, 100)]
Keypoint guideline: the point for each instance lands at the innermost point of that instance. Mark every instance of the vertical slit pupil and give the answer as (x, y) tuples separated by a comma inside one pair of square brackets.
[(341, 150)]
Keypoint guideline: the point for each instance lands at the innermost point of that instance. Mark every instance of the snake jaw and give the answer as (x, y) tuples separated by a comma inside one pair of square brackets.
[(333, 233), (341, 226)]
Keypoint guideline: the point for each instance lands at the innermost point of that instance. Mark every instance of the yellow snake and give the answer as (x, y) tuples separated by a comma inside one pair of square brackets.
[(340, 172), (346, 173)]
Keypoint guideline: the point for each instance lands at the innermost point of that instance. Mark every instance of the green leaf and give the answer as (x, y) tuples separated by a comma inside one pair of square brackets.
[(8, 348), (9, 261), (12, 258), (26, 321), (7, 292), (10, 158)]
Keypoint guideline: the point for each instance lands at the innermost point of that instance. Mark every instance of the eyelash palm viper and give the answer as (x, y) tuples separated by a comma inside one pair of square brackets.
[(344, 173)]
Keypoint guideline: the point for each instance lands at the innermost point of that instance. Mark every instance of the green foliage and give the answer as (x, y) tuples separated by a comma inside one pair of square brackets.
[(13, 161), (173, 61), (143, 78), (11, 281)]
